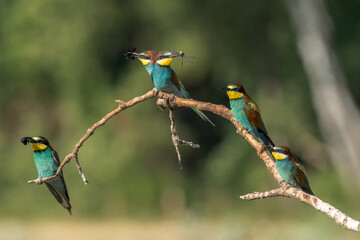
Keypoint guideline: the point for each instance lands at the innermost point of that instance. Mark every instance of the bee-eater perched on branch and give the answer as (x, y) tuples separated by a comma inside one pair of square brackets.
[(47, 162), (157, 64), (290, 169), (245, 111)]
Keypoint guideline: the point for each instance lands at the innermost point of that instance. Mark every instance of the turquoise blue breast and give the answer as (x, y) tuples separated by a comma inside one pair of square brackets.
[(45, 164), (162, 78), (149, 68), (240, 114), (286, 171)]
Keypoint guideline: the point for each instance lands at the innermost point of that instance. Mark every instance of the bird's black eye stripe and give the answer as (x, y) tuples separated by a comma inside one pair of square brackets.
[(283, 151), (144, 57), (42, 142)]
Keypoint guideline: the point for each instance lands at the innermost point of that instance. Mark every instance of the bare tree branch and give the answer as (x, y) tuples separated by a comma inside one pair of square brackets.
[(260, 195), (175, 138), (285, 189), (339, 217)]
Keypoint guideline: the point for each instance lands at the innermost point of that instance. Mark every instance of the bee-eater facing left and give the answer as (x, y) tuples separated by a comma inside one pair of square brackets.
[(245, 111), (157, 64), (290, 169), (47, 162)]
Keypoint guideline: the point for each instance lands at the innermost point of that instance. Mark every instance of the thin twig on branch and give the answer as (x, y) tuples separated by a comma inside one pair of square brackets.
[(285, 189), (175, 138)]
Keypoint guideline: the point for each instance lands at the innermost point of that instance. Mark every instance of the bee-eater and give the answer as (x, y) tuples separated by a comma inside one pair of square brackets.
[(245, 111), (157, 64), (290, 169), (47, 162)]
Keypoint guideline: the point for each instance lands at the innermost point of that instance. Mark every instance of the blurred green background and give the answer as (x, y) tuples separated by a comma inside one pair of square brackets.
[(62, 68)]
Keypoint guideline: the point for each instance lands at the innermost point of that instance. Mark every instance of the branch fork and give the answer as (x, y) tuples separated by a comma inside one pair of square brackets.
[(176, 140)]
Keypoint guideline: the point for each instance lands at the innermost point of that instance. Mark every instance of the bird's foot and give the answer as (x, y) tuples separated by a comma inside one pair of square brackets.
[(284, 185), (262, 149), (156, 92), (247, 131), (39, 181), (169, 100)]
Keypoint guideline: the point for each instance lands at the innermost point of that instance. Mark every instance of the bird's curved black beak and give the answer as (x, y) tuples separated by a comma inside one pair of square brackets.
[(269, 148), (176, 54), (131, 54), (25, 140), (273, 150), (224, 88)]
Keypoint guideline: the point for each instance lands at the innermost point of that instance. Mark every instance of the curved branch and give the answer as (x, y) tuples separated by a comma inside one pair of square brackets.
[(339, 217), (285, 189), (74, 154), (226, 113)]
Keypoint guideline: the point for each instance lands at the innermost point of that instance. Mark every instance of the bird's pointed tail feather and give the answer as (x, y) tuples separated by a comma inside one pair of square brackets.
[(203, 116)]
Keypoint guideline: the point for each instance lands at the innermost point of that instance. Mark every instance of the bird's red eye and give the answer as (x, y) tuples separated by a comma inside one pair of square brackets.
[(162, 57)]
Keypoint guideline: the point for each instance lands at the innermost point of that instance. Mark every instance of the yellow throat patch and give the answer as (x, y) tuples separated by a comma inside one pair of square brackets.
[(38, 146), (279, 156), (165, 62), (144, 61), (234, 95)]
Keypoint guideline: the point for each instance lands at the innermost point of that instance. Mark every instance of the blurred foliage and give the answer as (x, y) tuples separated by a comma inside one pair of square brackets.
[(62, 67)]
